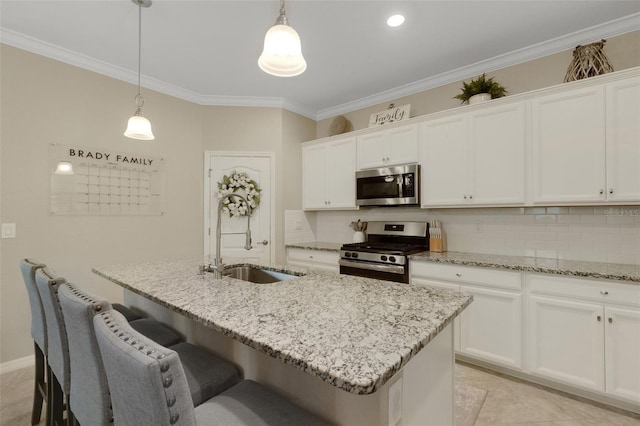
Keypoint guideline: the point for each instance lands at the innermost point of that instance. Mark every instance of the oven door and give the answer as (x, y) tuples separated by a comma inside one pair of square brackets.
[(379, 271), (389, 186)]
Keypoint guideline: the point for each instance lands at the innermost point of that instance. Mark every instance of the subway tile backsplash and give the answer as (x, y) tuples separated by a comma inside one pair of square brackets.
[(597, 234)]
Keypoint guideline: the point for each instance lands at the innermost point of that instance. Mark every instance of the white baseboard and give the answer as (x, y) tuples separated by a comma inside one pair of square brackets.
[(17, 364)]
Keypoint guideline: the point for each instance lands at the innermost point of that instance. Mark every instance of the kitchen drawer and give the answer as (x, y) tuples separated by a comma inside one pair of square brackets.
[(600, 291), (467, 274), (314, 256)]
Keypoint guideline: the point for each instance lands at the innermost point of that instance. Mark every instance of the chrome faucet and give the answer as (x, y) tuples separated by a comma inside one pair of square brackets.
[(218, 266)]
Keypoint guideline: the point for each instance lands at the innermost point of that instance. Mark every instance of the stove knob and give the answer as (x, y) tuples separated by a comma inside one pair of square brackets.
[(392, 259), (347, 254), (383, 258), (354, 255)]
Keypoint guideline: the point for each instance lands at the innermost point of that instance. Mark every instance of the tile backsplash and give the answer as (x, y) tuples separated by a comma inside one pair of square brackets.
[(597, 234)]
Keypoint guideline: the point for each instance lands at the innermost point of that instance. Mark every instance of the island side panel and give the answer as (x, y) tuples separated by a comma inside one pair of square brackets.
[(427, 388)]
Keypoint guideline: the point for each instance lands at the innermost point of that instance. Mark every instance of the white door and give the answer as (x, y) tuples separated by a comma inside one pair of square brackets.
[(622, 342), (569, 146), (491, 327), (567, 341), (258, 166)]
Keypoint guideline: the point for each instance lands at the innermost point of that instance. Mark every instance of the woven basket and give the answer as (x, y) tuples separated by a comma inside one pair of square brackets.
[(588, 61)]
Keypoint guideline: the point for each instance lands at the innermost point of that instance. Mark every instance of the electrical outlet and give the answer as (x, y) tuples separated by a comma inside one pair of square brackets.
[(479, 227), (395, 402), (8, 230)]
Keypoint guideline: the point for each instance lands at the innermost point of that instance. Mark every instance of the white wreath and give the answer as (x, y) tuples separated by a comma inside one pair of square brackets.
[(243, 185)]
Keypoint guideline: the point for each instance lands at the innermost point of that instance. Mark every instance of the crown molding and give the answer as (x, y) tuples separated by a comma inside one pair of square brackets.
[(609, 29)]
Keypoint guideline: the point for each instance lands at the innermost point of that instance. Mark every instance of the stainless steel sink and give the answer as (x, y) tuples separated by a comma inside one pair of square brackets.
[(256, 275)]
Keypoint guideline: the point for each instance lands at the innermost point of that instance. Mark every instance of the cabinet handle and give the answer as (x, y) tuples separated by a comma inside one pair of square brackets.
[(471, 197), (599, 318), (610, 320), (610, 190), (601, 191), (604, 292), (465, 197), (458, 274)]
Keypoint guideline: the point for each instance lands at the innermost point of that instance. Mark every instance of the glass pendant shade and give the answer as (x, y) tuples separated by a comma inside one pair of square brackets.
[(139, 127), (64, 168), (282, 54)]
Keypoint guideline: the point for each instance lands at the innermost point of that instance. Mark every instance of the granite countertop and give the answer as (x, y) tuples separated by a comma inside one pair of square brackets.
[(316, 245), (607, 271), (354, 333)]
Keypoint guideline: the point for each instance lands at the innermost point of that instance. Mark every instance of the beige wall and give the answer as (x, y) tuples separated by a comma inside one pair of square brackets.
[(622, 51), (45, 101)]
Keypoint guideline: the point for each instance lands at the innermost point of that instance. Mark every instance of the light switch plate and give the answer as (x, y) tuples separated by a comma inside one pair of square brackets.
[(8, 230)]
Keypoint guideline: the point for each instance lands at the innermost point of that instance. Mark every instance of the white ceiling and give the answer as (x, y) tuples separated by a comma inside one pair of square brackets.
[(206, 51)]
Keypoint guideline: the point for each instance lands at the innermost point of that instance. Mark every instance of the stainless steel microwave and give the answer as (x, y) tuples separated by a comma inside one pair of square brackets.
[(389, 186)]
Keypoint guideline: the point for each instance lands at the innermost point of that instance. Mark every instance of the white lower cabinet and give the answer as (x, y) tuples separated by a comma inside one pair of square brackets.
[(317, 260), (566, 341), (586, 333), (490, 329)]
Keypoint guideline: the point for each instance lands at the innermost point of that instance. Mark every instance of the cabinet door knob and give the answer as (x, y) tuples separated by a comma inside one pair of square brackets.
[(601, 191), (604, 292), (610, 320), (458, 274), (471, 197), (264, 242), (610, 190), (465, 197), (599, 318)]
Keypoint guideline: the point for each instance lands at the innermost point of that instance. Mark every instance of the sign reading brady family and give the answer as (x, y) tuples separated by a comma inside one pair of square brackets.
[(117, 158)]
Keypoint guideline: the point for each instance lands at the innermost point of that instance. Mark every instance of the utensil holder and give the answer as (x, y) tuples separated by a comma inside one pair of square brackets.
[(359, 237)]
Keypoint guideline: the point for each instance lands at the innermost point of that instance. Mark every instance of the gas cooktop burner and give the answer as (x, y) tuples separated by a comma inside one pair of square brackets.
[(397, 248)]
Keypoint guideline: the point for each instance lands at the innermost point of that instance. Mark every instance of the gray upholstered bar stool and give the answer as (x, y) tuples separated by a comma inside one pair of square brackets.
[(148, 387), (89, 399), (39, 334), (58, 382)]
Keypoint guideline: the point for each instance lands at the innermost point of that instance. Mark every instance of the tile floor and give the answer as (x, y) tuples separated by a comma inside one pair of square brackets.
[(508, 402)]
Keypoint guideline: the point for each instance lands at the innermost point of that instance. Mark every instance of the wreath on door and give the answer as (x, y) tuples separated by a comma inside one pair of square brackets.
[(242, 184)]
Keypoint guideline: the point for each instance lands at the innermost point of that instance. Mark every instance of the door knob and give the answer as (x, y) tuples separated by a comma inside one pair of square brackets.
[(264, 243)]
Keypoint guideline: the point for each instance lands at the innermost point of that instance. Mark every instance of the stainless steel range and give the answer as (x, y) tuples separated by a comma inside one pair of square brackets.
[(385, 254)]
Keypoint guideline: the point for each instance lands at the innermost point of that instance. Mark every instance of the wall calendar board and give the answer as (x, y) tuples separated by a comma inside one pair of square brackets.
[(106, 182)]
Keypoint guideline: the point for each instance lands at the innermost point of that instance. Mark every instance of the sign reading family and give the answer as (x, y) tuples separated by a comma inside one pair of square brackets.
[(105, 182), (391, 115)]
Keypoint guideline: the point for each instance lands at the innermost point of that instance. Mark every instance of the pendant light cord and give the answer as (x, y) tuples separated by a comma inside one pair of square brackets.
[(139, 98)]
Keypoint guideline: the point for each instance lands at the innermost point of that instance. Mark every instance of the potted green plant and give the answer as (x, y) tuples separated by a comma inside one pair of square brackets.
[(481, 89)]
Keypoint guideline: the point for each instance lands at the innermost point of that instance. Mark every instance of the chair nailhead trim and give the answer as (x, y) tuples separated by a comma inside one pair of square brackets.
[(171, 401), (167, 381), (174, 418), (164, 367)]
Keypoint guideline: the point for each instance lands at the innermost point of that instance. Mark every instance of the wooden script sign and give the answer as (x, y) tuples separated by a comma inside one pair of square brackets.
[(390, 115)]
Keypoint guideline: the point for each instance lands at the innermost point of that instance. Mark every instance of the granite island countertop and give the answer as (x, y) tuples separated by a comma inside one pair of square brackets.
[(316, 245), (607, 271), (353, 333)]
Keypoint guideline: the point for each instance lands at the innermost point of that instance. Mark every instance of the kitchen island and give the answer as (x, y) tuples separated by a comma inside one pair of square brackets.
[(353, 350)]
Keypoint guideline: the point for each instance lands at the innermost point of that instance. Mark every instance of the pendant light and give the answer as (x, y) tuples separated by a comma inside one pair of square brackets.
[(282, 54), (138, 126)]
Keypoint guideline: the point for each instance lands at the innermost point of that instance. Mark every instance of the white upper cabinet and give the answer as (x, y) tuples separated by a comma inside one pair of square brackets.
[(328, 175), (568, 144), (444, 160), (398, 145), (623, 140), (476, 158)]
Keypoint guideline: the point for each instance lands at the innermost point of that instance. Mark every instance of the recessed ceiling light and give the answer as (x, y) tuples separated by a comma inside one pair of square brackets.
[(395, 20)]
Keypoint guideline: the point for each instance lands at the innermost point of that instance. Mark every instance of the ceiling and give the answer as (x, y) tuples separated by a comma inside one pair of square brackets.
[(207, 51)]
